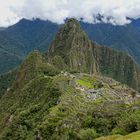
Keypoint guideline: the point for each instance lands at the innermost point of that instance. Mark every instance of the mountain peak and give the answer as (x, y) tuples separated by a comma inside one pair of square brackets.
[(70, 35), (71, 26), (72, 23), (72, 50)]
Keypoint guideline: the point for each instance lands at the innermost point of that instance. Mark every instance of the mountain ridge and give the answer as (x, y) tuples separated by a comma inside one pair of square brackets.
[(55, 95), (39, 34)]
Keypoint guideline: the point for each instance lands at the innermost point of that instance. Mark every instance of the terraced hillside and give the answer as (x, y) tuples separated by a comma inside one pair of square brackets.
[(45, 103)]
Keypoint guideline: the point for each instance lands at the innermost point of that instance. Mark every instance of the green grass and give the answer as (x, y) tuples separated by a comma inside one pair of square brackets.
[(132, 136), (89, 82), (84, 83)]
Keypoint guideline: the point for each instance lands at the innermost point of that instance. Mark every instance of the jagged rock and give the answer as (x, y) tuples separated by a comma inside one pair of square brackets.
[(72, 50)]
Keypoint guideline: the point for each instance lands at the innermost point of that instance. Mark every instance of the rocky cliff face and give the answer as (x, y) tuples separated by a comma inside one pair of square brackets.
[(72, 50)]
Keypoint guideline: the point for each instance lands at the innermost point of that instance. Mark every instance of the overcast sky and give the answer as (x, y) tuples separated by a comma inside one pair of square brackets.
[(11, 11)]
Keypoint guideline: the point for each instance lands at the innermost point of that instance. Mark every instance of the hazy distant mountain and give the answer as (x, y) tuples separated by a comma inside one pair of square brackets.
[(20, 39), (125, 38), (36, 34)]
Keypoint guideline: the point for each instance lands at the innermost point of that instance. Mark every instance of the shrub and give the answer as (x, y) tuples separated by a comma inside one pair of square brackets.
[(87, 134)]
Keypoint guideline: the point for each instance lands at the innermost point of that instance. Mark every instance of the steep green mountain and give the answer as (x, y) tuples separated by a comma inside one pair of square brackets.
[(20, 39), (44, 103), (73, 51)]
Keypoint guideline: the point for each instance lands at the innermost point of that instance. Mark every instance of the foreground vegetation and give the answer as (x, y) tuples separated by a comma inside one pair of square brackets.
[(132, 136), (45, 103), (64, 94)]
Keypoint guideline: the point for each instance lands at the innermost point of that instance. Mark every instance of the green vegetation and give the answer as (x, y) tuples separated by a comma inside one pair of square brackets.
[(44, 101), (8, 61), (6, 81), (88, 82), (17, 41), (132, 136), (48, 105), (84, 83), (75, 52), (123, 38)]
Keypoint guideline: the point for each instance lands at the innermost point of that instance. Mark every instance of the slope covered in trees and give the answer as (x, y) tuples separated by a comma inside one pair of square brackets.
[(64, 95), (44, 103)]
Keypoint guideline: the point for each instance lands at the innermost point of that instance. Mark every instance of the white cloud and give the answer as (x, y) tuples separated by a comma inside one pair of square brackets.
[(58, 10), (7, 14)]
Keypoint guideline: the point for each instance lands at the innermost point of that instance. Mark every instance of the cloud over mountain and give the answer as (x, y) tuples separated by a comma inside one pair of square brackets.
[(116, 12)]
